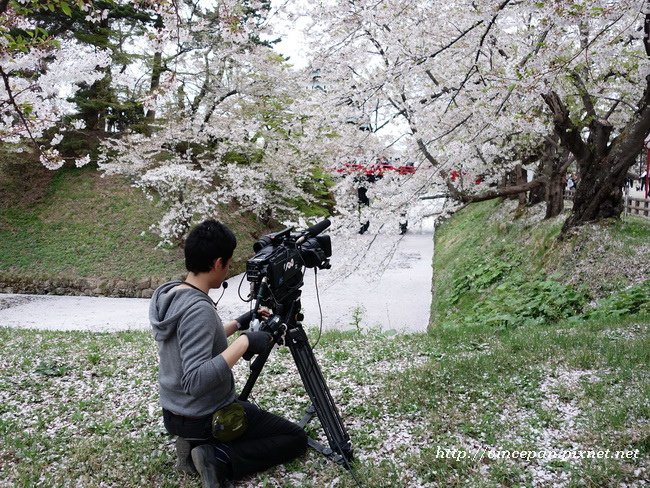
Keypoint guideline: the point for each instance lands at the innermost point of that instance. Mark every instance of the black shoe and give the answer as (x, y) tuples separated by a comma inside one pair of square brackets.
[(183, 459), (213, 472)]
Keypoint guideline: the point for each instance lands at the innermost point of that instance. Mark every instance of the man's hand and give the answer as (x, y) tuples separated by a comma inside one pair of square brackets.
[(258, 342), (244, 320), (247, 345)]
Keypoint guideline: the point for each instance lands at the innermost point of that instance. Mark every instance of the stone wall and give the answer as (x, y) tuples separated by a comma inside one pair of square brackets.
[(98, 287)]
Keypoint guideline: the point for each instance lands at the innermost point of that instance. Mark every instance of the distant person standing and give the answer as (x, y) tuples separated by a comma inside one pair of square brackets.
[(570, 183), (363, 203), (642, 180)]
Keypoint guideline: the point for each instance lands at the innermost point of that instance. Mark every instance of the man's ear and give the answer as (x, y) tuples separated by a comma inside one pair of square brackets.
[(220, 262)]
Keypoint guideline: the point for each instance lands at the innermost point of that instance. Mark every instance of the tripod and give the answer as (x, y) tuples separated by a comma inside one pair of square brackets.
[(322, 403)]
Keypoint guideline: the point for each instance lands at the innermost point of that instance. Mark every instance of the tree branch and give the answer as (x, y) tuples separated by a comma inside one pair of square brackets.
[(631, 139), (462, 85), (568, 160), (379, 47), (19, 111), (613, 107), (503, 5), (214, 105), (565, 129), (444, 48), (434, 96), (584, 94), (421, 144), (478, 53), (431, 77), (492, 194), (451, 130), (522, 63), (425, 151)]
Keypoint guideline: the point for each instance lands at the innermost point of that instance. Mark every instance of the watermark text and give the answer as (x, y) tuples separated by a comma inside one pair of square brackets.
[(550, 454)]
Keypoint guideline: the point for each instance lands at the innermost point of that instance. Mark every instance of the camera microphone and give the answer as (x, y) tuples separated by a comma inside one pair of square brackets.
[(314, 230), (224, 285)]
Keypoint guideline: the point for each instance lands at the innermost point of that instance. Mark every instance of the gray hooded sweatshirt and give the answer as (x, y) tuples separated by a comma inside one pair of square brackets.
[(195, 379)]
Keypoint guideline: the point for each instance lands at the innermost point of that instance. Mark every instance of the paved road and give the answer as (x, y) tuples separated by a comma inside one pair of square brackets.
[(375, 281)]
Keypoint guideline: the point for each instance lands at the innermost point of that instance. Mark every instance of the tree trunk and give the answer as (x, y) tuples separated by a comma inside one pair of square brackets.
[(553, 164), (520, 180), (93, 102), (509, 179), (156, 71), (599, 193), (155, 81), (554, 194), (538, 195), (602, 165), (556, 161)]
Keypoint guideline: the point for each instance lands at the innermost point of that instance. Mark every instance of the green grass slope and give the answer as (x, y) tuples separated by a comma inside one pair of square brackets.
[(491, 268), (73, 223)]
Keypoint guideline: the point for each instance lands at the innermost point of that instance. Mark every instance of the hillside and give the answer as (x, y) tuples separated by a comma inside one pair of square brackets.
[(492, 266), (73, 231)]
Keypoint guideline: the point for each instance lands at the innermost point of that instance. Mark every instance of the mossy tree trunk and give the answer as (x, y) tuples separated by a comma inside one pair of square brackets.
[(520, 179)]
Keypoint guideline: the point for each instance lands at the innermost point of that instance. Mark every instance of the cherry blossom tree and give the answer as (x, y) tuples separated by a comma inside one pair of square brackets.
[(468, 78), (38, 75), (229, 122), (467, 90)]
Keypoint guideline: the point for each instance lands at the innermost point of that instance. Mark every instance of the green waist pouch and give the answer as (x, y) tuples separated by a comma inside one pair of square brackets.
[(229, 423)]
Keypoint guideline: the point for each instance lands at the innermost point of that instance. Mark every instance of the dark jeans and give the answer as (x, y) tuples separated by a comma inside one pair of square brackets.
[(268, 441)]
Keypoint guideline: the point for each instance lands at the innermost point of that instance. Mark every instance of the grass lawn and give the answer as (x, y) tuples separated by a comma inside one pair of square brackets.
[(81, 409)]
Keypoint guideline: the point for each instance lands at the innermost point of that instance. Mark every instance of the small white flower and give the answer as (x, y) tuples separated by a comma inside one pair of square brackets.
[(80, 162), (57, 139)]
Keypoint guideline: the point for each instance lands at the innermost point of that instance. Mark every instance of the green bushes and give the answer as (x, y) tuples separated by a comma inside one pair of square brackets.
[(495, 292), (634, 300), (522, 300)]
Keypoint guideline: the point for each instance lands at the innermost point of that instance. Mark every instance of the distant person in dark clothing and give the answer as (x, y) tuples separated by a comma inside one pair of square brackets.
[(363, 201), (363, 196)]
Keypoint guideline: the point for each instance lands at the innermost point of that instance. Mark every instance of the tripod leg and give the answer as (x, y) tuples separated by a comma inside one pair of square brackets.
[(256, 369), (319, 394)]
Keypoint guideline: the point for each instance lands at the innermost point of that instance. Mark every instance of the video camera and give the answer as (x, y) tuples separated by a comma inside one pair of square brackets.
[(281, 258)]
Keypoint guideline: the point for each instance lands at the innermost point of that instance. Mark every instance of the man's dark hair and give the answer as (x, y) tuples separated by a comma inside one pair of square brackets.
[(206, 242)]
